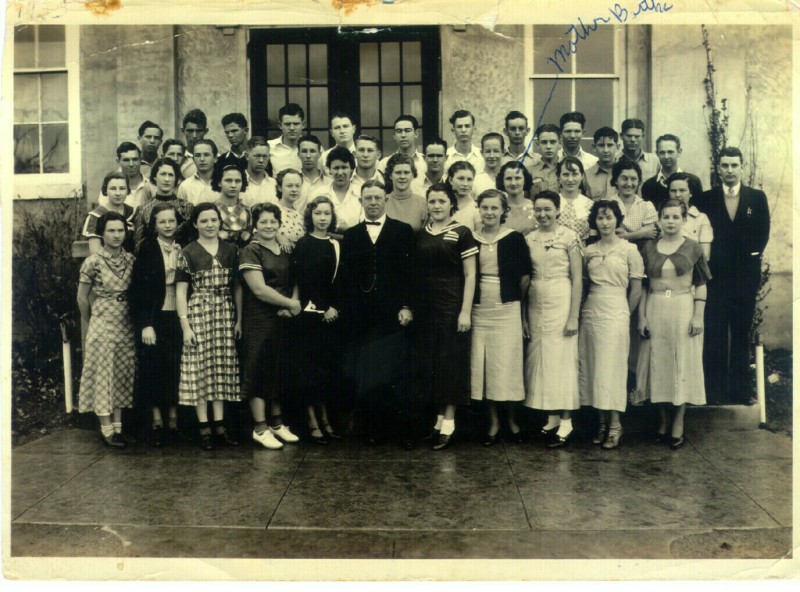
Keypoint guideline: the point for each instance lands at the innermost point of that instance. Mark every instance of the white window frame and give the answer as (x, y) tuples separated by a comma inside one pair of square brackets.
[(59, 185), (619, 96)]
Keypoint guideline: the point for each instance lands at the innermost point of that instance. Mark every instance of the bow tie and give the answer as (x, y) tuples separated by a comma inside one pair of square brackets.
[(372, 223)]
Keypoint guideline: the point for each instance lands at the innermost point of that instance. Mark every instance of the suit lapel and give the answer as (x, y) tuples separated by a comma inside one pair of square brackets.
[(744, 203)]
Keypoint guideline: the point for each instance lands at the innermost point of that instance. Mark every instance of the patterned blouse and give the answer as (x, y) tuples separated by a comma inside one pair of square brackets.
[(236, 222)]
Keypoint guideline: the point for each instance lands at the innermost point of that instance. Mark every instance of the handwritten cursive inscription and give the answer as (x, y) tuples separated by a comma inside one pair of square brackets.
[(582, 31)]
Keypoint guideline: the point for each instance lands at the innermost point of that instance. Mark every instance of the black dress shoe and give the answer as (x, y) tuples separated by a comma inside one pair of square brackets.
[(515, 437), (328, 432), (113, 441), (442, 442), (407, 444), (676, 443), (206, 442), (321, 440), (225, 439), (490, 440), (128, 439), (158, 437), (433, 436), (560, 441), (660, 439)]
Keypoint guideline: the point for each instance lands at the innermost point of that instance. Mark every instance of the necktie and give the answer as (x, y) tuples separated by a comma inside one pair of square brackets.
[(372, 223)]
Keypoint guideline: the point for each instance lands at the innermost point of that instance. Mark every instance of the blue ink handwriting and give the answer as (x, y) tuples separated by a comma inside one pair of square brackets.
[(582, 31)]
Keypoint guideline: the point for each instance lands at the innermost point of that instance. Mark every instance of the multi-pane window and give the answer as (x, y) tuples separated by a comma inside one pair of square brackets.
[(41, 100), (298, 73), (391, 84), (372, 76), (586, 80)]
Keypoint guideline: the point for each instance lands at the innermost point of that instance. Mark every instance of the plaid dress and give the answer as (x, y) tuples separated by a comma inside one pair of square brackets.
[(109, 355), (209, 370)]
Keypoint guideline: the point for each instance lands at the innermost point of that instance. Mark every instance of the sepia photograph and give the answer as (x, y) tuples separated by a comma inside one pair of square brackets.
[(483, 284)]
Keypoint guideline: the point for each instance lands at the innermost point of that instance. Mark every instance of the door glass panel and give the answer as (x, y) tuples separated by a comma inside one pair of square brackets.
[(297, 64), (368, 62), (318, 63), (387, 139), (412, 62), (298, 95), (318, 113), (276, 68), (370, 106), (390, 62), (391, 105), (412, 101), (276, 97)]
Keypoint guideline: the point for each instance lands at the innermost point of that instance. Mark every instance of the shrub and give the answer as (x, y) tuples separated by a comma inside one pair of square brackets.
[(44, 287)]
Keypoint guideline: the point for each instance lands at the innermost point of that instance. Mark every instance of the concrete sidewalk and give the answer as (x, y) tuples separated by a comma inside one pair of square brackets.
[(727, 494)]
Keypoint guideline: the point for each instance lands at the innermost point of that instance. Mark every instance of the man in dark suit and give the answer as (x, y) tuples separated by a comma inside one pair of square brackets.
[(377, 285), (668, 150), (739, 216)]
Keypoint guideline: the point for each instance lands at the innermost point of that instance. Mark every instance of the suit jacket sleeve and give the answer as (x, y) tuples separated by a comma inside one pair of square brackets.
[(762, 222)]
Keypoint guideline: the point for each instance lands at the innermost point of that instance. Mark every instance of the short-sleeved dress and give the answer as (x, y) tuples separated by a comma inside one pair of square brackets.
[(210, 369), (109, 354), (90, 225), (604, 335), (670, 368), (236, 222), (263, 331), (551, 359), (445, 351), (316, 266)]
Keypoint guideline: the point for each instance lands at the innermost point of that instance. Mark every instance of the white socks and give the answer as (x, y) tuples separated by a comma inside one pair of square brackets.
[(117, 427), (448, 427), (565, 429), (439, 420), (107, 431)]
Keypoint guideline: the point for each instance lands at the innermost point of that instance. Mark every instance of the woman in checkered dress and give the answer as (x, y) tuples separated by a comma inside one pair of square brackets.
[(210, 323), (109, 351)]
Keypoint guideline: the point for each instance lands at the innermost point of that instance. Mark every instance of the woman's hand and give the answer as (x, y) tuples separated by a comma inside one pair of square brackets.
[(464, 322), (148, 336), (649, 231), (696, 326), (284, 313), (644, 328), (526, 329), (330, 315), (237, 330), (284, 243), (571, 330), (189, 337), (296, 308)]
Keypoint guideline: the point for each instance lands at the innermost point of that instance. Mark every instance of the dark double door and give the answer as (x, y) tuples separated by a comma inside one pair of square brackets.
[(372, 74)]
